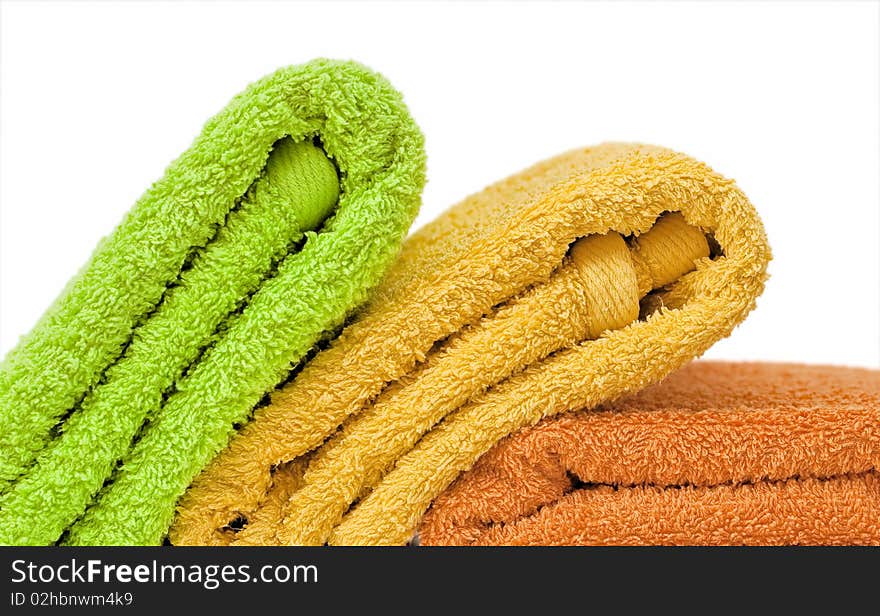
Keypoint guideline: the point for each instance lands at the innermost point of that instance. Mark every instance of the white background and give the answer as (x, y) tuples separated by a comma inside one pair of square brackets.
[(98, 97)]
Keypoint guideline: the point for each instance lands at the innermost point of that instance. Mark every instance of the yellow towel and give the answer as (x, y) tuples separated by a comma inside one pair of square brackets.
[(562, 287)]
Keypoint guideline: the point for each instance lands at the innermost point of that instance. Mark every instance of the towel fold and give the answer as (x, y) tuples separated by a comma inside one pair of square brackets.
[(719, 453), (583, 278), (256, 244), (522, 301)]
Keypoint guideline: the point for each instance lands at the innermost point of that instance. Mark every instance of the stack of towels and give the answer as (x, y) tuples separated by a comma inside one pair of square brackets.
[(256, 356)]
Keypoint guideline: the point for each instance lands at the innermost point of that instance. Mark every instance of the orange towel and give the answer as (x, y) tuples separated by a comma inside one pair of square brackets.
[(719, 453)]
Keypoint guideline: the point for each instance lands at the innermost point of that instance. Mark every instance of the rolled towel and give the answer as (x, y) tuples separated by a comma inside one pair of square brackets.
[(521, 302), (256, 243), (719, 453)]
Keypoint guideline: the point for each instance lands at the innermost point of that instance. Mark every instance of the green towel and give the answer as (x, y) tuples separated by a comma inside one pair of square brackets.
[(256, 243)]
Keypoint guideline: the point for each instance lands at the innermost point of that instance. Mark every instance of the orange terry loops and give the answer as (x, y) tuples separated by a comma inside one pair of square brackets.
[(718, 453)]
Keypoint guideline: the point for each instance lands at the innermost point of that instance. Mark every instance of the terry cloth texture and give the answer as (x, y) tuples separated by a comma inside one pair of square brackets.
[(520, 302), (256, 243), (758, 454)]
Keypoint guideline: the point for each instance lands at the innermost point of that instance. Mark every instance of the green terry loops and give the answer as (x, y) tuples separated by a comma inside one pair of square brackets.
[(298, 190), (188, 332)]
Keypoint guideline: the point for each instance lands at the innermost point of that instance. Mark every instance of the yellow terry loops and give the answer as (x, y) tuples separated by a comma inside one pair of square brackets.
[(493, 317), (666, 252), (598, 288)]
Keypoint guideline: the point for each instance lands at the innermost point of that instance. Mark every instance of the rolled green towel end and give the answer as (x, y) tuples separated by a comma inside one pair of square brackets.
[(259, 239)]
